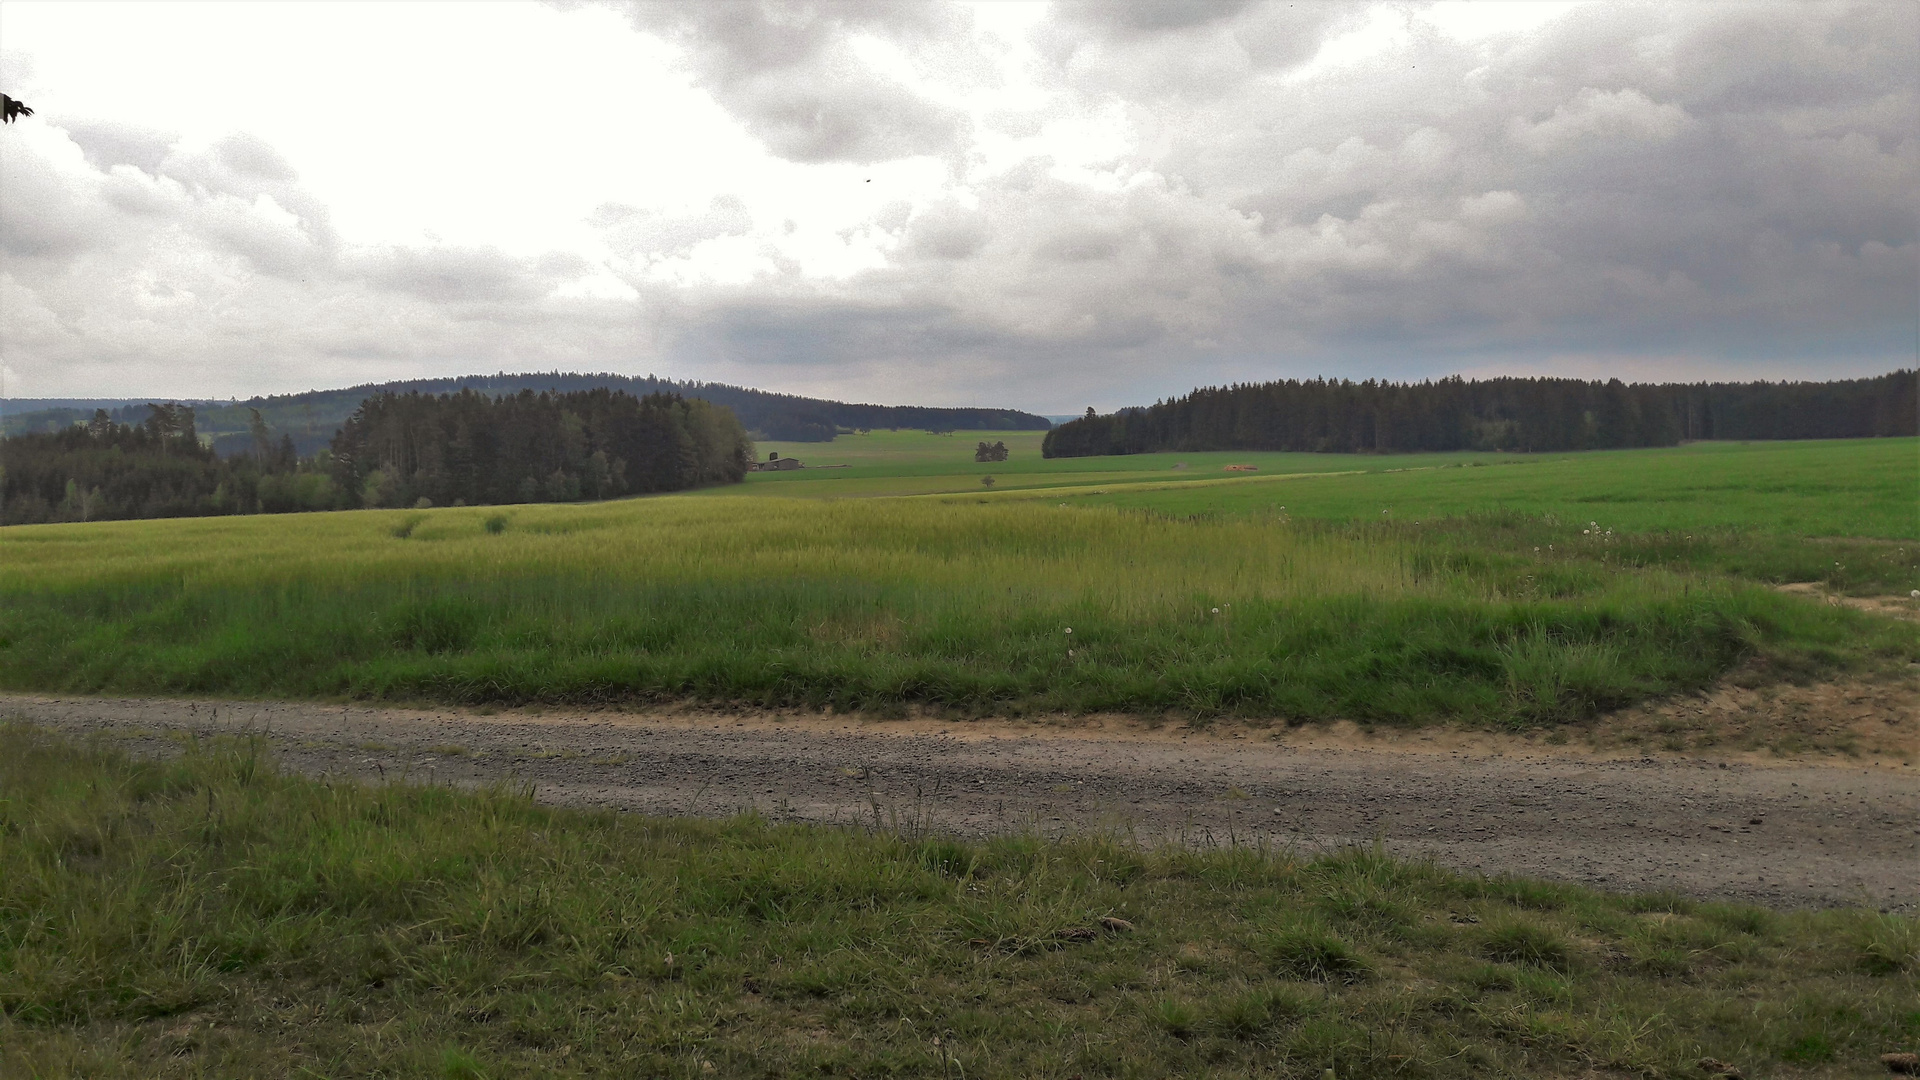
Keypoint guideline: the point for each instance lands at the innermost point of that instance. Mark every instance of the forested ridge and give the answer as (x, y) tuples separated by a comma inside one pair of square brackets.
[(311, 418), (1338, 416), (395, 450)]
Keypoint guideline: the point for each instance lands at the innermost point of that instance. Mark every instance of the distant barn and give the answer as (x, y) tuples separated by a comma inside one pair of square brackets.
[(775, 463)]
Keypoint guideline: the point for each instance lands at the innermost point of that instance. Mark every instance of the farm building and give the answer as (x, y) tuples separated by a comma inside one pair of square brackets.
[(775, 463)]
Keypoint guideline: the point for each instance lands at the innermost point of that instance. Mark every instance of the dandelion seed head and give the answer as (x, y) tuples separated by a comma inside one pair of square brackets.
[(1216, 611), (1069, 629)]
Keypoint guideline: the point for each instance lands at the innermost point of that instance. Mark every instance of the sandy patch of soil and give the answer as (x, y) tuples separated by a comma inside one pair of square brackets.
[(1893, 607), (1872, 721)]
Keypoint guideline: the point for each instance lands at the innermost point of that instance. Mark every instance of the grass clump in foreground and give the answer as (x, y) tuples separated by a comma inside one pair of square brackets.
[(208, 916)]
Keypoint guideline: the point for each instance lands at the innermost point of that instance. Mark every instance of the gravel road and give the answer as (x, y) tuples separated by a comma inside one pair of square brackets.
[(1796, 834)]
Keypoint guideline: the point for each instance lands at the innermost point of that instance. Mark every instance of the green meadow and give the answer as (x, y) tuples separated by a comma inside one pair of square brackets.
[(1486, 589), (1837, 488), (205, 915), (881, 463)]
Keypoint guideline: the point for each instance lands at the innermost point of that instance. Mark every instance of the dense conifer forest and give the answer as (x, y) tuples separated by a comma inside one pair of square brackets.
[(395, 450), (1497, 414), (104, 470), (399, 449)]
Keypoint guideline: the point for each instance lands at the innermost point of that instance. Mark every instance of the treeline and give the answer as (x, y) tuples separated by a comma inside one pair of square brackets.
[(395, 450), (104, 470), (1337, 416), (312, 417), (447, 449), (779, 417)]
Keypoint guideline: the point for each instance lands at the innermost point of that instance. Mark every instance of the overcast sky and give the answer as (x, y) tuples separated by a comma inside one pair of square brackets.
[(1038, 206)]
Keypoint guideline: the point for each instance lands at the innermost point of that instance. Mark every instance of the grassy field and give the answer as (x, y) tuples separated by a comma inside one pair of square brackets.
[(1841, 488), (206, 916), (1864, 488), (1198, 597), (882, 463)]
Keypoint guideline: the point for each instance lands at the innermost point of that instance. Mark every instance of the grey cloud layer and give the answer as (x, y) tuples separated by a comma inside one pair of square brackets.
[(143, 268), (788, 71), (1725, 187)]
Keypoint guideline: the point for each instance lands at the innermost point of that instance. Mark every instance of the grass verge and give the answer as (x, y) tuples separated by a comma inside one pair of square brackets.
[(206, 915), (1005, 608)]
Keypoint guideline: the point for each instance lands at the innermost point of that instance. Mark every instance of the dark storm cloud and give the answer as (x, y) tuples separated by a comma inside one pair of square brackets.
[(789, 72)]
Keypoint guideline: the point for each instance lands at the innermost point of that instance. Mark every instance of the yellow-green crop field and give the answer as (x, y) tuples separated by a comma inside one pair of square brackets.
[(1499, 589)]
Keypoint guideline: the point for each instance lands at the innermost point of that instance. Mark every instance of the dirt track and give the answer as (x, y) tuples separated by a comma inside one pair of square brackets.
[(1784, 835)]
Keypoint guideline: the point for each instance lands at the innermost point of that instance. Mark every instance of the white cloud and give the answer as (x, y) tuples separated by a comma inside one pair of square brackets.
[(1008, 203)]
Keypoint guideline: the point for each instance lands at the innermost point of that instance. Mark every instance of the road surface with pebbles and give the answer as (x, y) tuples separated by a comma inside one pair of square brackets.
[(1790, 834)]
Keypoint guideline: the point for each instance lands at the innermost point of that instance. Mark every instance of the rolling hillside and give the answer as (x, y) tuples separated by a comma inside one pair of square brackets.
[(311, 418)]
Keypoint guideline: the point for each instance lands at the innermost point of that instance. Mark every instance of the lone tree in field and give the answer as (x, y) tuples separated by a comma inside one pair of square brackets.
[(996, 452), (12, 109)]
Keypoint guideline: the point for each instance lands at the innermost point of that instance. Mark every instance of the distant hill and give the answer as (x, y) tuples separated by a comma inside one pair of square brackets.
[(312, 418)]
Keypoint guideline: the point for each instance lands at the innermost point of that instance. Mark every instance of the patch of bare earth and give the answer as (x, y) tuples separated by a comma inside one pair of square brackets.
[(1866, 721), (1892, 607)]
